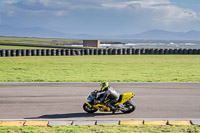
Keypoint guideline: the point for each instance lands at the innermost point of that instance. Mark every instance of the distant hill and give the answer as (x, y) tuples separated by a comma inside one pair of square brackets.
[(163, 35), (29, 32), (156, 34)]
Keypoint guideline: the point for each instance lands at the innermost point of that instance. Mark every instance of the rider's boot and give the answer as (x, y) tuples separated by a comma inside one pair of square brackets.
[(113, 109)]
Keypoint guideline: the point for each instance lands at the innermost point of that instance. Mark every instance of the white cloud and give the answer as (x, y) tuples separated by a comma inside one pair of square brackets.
[(7, 10), (62, 7), (161, 11), (61, 13), (129, 15), (44, 2), (9, 1), (11, 13), (59, 4), (172, 15), (142, 3)]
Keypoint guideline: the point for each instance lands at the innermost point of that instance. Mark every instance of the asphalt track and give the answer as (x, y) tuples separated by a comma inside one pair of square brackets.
[(63, 101)]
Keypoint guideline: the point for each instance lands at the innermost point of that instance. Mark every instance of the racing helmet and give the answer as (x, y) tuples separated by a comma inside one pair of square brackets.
[(103, 85)]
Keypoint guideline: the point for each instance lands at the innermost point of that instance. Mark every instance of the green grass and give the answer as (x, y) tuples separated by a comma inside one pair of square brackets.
[(33, 40), (112, 68), (40, 45), (102, 129), (19, 47), (38, 42)]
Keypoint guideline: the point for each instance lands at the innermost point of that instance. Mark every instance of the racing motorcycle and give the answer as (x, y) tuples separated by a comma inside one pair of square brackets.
[(125, 103)]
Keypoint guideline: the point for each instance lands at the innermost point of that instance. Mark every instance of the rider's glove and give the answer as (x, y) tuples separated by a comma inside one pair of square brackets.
[(97, 102), (96, 91)]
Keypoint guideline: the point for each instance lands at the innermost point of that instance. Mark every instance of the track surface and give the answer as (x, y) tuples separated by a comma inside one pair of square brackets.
[(65, 100)]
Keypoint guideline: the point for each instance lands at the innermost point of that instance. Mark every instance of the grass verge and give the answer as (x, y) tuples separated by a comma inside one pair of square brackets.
[(33, 40), (101, 129), (20, 47), (112, 68)]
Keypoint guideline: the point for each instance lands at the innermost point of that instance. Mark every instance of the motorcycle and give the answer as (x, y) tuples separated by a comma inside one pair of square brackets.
[(125, 103)]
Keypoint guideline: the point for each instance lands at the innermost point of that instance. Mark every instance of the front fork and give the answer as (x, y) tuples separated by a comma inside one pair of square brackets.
[(88, 104)]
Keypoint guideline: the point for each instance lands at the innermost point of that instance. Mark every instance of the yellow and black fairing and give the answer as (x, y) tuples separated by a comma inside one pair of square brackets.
[(125, 97), (103, 108)]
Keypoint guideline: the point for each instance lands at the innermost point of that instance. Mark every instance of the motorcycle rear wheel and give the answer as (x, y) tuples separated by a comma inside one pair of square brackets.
[(130, 105), (89, 109)]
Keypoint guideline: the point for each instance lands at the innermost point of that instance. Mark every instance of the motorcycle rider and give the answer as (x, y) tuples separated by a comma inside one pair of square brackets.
[(109, 93)]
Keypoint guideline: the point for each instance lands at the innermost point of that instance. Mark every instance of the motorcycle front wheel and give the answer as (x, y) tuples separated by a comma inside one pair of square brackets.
[(89, 109), (130, 107)]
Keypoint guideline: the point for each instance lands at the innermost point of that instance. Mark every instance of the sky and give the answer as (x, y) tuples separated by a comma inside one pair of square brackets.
[(108, 17)]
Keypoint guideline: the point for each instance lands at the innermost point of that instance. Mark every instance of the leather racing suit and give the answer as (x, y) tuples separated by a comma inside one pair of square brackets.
[(113, 95)]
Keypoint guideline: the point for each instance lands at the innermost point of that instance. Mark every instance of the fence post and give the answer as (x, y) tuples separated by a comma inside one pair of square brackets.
[(124, 51), (151, 51), (100, 52), (68, 52), (38, 52), (82, 52), (19, 52), (44, 52), (1, 53), (119, 51), (129, 51), (137, 51), (48, 52), (166, 51), (4, 53), (161, 51), (7, 53), (147, 51), (156, 51), (190, 51), (87, 52), (133, 51), (91, 51), (33, 52), (110, 51), (77, 52), (58, 52), (95, 51), (27, 52), (53, 52), (72, 52), (185, 51), (63, 53), (114, 51), (195, 51), (142, 51), (175, 51), (180, 51), (23, 52), (105, 51), (13, 52), (170, 51)]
